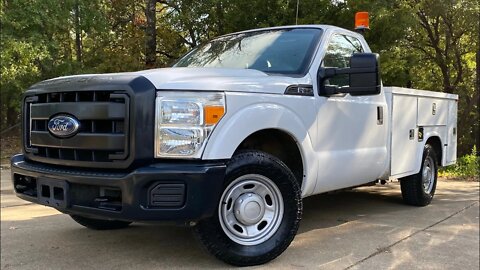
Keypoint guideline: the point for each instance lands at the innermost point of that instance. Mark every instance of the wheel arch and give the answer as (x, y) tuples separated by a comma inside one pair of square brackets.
[(233, 132), (280, 144), (436, 142)]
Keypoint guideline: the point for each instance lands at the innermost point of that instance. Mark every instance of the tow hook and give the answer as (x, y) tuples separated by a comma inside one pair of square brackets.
[(108, 203)]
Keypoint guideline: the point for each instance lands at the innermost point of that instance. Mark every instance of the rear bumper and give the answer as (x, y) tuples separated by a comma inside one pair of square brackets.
[(169, 191)]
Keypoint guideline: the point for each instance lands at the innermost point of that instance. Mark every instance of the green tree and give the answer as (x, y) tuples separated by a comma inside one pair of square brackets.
[(424, 44), (445, 36)]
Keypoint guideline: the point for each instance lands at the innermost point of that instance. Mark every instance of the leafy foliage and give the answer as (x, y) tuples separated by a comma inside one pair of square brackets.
[(426, 44), (466, 166)]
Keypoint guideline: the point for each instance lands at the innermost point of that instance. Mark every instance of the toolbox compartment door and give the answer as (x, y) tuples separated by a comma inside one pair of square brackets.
[(432, 111), (404, 145), (451, 151)]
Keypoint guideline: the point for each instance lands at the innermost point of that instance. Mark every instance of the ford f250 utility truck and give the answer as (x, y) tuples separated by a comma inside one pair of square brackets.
[(231, 138)]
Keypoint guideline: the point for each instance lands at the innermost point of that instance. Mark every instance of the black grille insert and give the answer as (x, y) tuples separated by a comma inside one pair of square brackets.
[(103, 133), (78, 96), (87, 126)]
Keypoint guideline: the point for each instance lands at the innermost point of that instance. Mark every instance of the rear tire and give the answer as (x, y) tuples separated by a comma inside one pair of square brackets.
[(100, 224), (419, 189), (258, 213)]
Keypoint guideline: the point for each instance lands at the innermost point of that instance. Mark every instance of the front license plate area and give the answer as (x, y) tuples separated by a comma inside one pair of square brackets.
[(52, 192)]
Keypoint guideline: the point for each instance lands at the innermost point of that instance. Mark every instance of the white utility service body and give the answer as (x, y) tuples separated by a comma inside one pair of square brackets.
[(231, 138), (435, 112)]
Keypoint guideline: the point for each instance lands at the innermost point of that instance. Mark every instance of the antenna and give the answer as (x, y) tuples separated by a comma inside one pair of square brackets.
[(296, 17)]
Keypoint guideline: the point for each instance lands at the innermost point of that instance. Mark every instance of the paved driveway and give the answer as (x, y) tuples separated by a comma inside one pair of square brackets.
[(367, 228)]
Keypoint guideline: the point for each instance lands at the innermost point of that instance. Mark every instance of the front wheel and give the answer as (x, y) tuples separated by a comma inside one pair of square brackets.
[(418, 189), (258, 213)]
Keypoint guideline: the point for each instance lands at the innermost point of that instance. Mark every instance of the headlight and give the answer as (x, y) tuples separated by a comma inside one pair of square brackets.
[(180, 112), (184, 121)]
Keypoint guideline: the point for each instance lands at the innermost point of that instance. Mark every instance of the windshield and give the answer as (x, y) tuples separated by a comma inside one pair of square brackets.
[(284, 51)]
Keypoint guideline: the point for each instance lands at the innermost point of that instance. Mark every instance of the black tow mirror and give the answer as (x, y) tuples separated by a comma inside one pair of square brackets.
[(363, 76)]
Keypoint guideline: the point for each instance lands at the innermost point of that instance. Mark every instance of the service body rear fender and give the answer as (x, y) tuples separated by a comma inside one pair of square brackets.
[(293, 115), (431, 132)]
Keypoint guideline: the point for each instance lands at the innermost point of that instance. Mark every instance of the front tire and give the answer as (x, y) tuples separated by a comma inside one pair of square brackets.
[(419, 189), (258, 213), (100, 224)]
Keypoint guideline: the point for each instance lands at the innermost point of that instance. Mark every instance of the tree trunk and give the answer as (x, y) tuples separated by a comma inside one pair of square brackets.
[(12, 117), (477, 89), (151, 34), (193, 37), (220, 18), (78, 33)]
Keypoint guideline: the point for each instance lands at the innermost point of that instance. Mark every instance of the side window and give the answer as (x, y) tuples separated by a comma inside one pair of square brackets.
[(338, 54)]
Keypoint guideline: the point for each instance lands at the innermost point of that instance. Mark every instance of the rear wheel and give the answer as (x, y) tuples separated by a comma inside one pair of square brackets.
[(258, 213), (419, 189), (100, 224)]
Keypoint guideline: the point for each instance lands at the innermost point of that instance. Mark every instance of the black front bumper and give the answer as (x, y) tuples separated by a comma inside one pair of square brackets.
[(168, 191)]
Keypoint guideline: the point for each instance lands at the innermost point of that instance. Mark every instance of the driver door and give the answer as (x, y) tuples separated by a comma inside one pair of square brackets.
[(352, 142)]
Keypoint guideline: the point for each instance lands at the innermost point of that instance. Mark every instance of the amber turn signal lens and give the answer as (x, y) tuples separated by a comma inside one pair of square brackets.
[(361, 20), (213, 114)]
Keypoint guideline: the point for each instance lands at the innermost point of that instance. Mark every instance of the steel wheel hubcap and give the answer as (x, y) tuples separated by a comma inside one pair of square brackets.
[(251, 209), (428, 175)]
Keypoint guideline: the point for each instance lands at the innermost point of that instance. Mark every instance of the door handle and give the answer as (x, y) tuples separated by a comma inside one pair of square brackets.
[(379, 115)]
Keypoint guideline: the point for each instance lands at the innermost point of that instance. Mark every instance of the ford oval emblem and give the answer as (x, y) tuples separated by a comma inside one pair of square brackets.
[(63, 126)]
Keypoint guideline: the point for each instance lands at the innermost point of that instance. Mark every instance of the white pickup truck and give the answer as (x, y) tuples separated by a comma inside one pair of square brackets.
[(231, 138)]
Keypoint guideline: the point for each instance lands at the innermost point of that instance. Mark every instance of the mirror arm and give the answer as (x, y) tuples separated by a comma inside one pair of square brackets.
[(331, 90), (349, 89), (330, 72)]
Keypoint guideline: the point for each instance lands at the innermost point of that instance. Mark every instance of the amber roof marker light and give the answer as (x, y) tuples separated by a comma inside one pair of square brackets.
[(362, 22)]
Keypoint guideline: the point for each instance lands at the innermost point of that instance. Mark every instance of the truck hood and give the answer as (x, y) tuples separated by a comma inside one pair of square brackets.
[(204, 79), (193, 79)]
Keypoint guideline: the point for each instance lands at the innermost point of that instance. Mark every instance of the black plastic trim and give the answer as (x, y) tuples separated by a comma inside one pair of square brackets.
[(139, 126), (203, 182), (300, 90), (98, 141), (87, 110), (167, 195)]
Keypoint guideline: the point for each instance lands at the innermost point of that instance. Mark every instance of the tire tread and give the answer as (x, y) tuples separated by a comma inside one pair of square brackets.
[(411, 185), (216, 247)]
